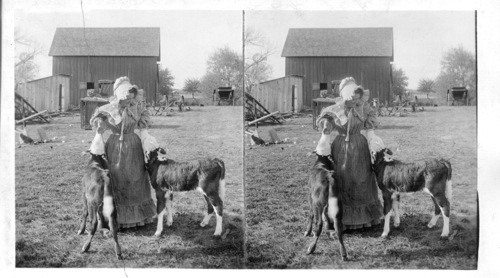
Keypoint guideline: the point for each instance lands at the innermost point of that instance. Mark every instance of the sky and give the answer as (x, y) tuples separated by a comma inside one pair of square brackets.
[(187, 37), (420, 37)]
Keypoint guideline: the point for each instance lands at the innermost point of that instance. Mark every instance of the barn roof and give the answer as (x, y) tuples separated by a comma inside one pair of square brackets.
[(106, 42), (335, 42)]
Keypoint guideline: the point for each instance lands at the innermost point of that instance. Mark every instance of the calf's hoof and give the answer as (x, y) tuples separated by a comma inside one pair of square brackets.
[(119, 256), (217, 234), (80, 232), (430, 226), (311, 249), (85, 248), (396, 224), (307, 233), (158, 234), (384, 236), (169, 223), (203, 224), (344, 258)]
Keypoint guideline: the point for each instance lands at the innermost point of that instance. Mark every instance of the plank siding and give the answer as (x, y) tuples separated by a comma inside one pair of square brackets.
[(373, 73), (142, 71), (43, 94), (276, 95)]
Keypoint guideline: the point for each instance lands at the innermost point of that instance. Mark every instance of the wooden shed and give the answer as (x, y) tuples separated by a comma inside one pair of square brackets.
[(322, 55), (92, 54), (49, 93), (282, 94)]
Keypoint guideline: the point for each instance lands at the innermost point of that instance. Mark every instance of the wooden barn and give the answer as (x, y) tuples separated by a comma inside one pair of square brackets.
[(92, 54), (282, 94), (322, 55), (49, 93)]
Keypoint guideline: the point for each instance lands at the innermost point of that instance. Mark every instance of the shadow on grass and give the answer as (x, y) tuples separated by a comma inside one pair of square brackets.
[(395, 127), (185, 236), (164, 126)]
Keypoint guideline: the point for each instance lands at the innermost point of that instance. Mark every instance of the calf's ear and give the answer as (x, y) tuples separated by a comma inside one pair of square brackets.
[(388, 156)]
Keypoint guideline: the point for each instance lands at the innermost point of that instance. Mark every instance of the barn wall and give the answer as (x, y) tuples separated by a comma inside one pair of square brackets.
[(276, 95), (142, 71), (373, 73), (43, 94)]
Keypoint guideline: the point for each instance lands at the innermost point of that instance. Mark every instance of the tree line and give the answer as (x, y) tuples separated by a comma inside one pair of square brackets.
[(458, 69), (226, 67)]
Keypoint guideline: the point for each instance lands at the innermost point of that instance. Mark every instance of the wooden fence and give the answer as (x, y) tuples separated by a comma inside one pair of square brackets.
[(283, 94), (49, 93)]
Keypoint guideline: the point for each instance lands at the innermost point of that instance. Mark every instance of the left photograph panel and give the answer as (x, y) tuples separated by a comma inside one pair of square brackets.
[(129, 139)]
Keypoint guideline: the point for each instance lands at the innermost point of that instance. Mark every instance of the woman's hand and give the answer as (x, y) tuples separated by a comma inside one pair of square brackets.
[(375, 143), (97, 145), (149, 143)]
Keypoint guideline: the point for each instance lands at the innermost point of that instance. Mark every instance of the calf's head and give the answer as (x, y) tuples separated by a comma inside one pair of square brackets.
[(382, 156), (158, 154)]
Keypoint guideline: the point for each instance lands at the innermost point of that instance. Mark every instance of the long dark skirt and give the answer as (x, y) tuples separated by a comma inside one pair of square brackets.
[(359, 192), (130, 181)]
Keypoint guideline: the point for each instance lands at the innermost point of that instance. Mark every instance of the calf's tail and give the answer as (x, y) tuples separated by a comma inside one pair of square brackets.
[(333, 201), (222, 182), (449, 189)]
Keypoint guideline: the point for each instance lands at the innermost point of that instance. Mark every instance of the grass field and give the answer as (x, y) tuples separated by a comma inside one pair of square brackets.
[(276, 199), (48, 203)]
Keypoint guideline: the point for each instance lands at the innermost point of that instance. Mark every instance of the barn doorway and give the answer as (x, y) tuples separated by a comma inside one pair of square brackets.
[(294, 99)]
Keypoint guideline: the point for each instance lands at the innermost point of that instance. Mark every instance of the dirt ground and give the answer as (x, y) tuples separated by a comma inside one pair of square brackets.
[(48, 203), (276, 198)]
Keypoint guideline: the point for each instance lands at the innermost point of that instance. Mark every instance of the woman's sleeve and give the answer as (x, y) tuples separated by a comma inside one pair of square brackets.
[(145, 117), (371, 117)]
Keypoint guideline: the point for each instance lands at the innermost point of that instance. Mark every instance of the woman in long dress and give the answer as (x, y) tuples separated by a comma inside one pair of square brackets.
[(124, 150), (351, 153)]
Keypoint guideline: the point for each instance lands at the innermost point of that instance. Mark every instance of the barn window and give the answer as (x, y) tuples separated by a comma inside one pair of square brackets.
[(323, 86), (86, 85)]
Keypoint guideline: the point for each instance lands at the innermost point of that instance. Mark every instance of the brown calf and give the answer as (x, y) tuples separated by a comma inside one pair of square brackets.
[(205, 175), (98, 202), (432, 176)]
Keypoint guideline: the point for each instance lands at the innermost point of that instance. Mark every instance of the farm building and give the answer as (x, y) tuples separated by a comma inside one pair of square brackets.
[(49, 93), (282, 94), (92, 54), (322, 55)]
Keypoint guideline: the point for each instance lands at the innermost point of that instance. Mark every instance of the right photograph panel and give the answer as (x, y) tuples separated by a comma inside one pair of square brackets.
[(361, 139)]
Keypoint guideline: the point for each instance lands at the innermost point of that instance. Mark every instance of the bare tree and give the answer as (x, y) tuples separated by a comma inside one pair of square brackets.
[(259, 49), (26, 50)]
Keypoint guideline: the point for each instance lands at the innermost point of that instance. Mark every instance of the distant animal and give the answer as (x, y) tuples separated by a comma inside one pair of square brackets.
[(205, 175), (98, 201), (432, 176), (324, 195)]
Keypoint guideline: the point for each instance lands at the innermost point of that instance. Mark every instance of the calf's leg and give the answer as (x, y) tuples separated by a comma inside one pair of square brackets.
[(93, 229), (395, 206), (169, 202), (387, 212), (435, 216), (208, 213), (310, 218), (85, 214), (444, 205), (318, 224), (218, 208), (113, 227), (335, 216), (160, 210)]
